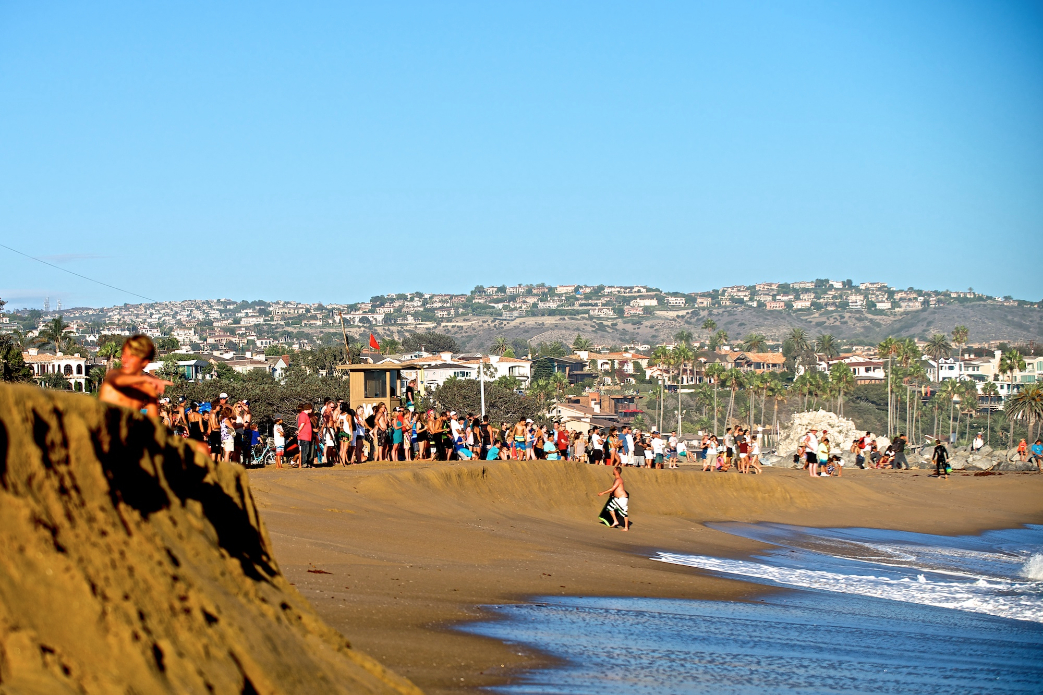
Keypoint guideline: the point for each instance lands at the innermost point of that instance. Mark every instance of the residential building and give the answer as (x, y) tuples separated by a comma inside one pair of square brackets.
[(802, 304), (774, 305), (73, 367), (644, 302), (759, 362), (675, 301)]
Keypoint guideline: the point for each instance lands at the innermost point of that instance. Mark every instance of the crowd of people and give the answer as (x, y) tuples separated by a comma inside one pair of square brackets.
[(338, 434)]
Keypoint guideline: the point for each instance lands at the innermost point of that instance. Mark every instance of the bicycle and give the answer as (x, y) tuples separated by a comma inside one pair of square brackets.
[(263, 453)]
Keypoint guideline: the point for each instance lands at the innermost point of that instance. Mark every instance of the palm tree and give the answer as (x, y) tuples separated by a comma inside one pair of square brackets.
[(683, 337), (500, 346), (889, 347), (715, 372), (798, 340), (989, 390), (951, 390), (777, 391), (1028, 404), (959, 336), (581, 343), (754, 382), (683, 356), (937, 348), (719, 338), (754, 342), (54, 332), (735, 380), (827, 345), (968, 404), (110, 351), (1010, 362), (908, 353), (843, 378), (709, 325)]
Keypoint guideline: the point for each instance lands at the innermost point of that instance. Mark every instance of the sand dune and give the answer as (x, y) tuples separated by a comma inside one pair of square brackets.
[(130, 565)]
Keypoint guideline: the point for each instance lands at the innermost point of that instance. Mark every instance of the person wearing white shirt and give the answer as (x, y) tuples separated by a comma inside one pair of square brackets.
[(597, 444), (657, 449)]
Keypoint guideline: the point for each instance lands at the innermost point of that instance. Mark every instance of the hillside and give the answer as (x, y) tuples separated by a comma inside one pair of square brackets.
[(986, 322)]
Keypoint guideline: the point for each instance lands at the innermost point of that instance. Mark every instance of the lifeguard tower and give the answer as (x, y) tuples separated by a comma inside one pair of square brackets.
[(370, 384)]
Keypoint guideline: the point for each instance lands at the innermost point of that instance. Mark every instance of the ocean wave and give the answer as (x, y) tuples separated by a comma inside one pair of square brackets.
[(989, 595), (1033, 567)]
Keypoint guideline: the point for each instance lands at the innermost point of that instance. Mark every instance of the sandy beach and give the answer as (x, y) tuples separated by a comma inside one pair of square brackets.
[(393, 555)]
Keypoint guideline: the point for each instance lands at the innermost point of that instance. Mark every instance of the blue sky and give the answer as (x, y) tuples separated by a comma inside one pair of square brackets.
[(337, 151)]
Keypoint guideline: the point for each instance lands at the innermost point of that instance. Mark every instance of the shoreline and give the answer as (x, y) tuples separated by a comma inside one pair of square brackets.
[(397, 556)]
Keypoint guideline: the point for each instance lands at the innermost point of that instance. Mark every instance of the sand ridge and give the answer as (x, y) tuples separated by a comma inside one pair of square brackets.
[(131, 564)]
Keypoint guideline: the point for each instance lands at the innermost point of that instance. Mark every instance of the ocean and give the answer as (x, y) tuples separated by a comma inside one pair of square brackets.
[(865, 611)]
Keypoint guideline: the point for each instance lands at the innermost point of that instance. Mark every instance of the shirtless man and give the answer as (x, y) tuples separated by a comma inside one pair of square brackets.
[(519, 437), (129, 386), (619, 501)]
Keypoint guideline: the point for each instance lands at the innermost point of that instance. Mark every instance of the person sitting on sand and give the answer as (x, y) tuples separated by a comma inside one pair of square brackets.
[(886, 459), (620, 500), (1037, 455), (129, 386), (723, 463)]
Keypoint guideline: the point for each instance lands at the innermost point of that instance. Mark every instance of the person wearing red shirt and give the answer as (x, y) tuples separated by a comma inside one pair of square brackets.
[(304, 433)]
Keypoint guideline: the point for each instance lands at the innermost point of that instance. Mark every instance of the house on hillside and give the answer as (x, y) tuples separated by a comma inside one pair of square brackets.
[(759, 362), (73, 367)]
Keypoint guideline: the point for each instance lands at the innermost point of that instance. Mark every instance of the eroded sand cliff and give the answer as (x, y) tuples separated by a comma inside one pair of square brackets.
[(128, 564)]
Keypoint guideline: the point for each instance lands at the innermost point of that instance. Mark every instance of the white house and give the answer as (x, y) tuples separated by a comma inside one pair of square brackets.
[(430, 375), (496, 366), (72, 367)]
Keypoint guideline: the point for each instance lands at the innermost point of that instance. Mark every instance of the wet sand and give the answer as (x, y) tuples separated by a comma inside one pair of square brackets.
[(393, 555)]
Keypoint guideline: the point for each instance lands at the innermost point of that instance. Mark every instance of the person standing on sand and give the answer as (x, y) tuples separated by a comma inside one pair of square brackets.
[(900, 461), (941, 459), (279, 435), (129, 386), (597, 452), (620, 499), (304, 434)]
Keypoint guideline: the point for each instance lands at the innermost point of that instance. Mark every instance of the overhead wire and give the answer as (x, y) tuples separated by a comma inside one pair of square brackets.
[(66, 270)]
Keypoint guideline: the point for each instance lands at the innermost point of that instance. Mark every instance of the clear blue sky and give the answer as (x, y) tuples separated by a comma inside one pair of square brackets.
[(337, 151)]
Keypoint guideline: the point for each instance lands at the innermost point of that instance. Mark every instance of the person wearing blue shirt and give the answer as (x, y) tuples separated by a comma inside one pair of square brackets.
[(1037, 455)]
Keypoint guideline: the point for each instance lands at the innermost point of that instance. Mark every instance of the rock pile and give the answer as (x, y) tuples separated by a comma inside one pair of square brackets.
[(131, 564), (841, 431)]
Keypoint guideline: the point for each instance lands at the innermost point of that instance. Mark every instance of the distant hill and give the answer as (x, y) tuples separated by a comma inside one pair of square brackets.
[(985, 322)]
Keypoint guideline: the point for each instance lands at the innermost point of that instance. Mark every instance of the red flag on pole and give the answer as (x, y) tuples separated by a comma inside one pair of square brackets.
[(373, 342)]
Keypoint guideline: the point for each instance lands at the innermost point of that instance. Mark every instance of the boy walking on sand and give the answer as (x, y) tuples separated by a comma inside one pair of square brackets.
[(619, 502), (129, 385)]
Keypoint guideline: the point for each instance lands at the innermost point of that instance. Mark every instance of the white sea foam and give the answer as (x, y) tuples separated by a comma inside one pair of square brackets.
[(990, 595), (1033, 568)]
